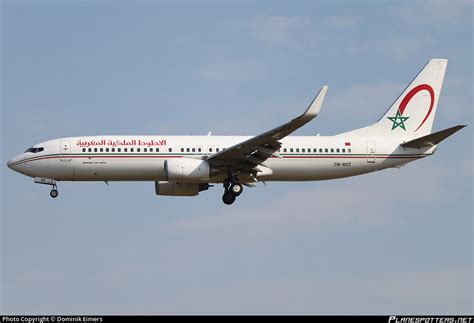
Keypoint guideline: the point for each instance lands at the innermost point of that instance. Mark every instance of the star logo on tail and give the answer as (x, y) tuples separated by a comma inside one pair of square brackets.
[(398, 121)]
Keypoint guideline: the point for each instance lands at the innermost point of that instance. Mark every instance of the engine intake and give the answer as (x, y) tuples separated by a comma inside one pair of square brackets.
[(187, 170)]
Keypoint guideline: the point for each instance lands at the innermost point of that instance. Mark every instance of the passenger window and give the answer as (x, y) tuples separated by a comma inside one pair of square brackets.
[(138, 150), (303, 150), (113, 150), (187, 150), (194, 150), (315, 150), (145, 150), (107, 149), (348, 150), (157, 149), (119, 149), (337, 150), (284, 150), (101, 149), (170, 150), (90, 149), (332, 150), (83, 150), (291, 150), (297, 150), (131, 150), (95, 150), (210, 150), (326, 150), (320, 150), (199, 150), (217, 149), (125, 150), (343, 150)]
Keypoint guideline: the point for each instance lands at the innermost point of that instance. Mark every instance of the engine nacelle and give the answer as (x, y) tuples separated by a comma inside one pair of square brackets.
[(179, 189), (187, 170)]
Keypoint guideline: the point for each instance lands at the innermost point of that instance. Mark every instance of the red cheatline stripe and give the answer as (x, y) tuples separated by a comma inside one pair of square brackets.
[(339, 157), (175, 156), (88, 157)]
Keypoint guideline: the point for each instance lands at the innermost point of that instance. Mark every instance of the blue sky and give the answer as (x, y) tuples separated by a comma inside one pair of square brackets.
[(397, 241)]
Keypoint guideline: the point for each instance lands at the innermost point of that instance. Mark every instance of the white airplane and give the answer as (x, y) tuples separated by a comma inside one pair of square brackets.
[(187, 165)]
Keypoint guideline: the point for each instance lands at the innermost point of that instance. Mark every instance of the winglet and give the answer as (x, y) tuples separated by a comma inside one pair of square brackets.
[(315, 106)]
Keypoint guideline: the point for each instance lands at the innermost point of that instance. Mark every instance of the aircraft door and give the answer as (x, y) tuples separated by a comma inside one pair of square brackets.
[(371, 152), (65, 151)]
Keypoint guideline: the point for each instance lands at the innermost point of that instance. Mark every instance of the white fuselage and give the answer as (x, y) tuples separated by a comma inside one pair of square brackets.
[(142, 158)]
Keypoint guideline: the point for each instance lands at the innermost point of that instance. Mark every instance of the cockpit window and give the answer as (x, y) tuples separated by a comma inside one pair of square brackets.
[(34, 150)]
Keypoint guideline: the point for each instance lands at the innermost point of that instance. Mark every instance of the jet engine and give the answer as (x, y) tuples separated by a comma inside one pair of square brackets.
[(188, 170), (179, 189)]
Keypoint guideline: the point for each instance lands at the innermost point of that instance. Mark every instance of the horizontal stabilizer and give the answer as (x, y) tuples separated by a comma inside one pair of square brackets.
[(432, 139)]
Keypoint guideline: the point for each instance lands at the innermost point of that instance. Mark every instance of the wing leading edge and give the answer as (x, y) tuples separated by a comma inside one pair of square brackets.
[(246, 155)]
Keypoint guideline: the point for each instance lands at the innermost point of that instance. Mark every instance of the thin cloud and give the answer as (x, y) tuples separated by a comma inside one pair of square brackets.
[(433, 12), (230, 71), (343, 22), (438, 291), (372, 98), (284, 31)]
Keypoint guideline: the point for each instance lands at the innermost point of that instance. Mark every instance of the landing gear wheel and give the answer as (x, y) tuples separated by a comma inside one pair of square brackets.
[(54, 193), (236, 189), (228, 198)]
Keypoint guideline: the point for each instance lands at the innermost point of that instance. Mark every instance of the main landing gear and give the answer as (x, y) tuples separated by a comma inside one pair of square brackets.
[(231, 191)]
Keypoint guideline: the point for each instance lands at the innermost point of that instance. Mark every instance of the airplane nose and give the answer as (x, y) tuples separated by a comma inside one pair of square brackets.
[(13, 163)]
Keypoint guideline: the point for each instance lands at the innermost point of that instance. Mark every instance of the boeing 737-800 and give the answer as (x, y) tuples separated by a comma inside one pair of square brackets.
[(187, 165)]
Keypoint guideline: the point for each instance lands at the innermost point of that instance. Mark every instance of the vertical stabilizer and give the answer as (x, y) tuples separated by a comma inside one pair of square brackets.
[(414, 111), (412, 114)]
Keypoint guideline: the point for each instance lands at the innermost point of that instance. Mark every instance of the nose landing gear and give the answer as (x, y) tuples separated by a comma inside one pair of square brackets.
[(54, 192), (231, 191), (48, 181)]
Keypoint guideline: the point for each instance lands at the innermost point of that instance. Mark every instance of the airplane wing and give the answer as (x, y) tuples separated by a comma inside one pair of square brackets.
[(245, 156)]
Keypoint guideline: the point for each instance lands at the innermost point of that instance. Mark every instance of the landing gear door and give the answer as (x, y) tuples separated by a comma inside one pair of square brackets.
[(65, 151), (371, 153)]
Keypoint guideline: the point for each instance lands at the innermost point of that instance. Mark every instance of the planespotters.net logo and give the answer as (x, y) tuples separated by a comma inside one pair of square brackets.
[(419, 319)]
